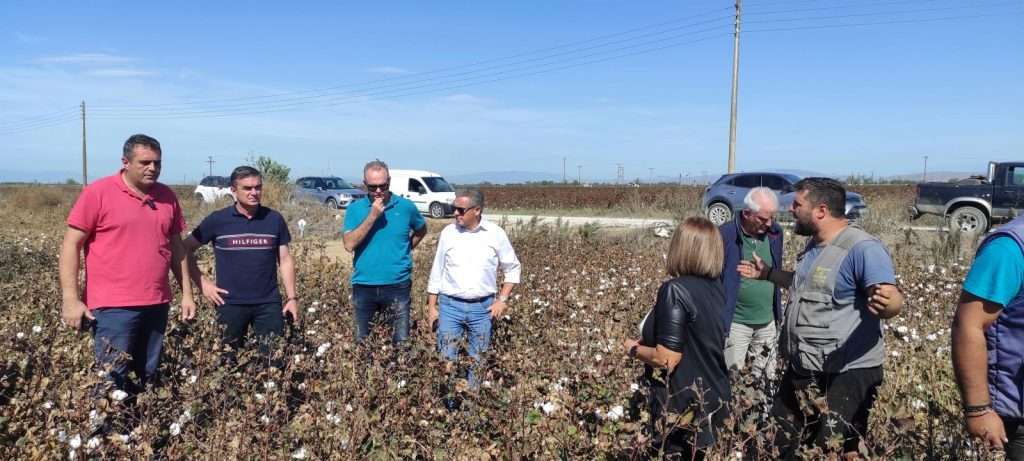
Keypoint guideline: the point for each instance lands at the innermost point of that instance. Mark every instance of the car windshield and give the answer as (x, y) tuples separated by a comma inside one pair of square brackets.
[(438, 184), (336, 183)]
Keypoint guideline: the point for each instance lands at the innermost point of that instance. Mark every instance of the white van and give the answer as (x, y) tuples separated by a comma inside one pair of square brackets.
[(428, 190)]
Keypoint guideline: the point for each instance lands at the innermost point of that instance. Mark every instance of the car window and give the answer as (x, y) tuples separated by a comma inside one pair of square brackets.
[(438, 184), (774, 182), (206, 181), (223, 182), (747, 181), (1015, 176), (306, 183), (416, 186)]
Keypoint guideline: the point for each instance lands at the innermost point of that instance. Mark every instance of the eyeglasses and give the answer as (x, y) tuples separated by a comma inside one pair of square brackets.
[(377, 187), (462, 210)]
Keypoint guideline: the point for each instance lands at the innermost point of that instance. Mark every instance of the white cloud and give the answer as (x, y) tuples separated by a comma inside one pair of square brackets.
[(121, 73), (85, 59), (388, 70)]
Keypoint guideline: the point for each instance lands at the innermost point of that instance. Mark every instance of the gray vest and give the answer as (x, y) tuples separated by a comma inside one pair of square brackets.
[(824, 333)]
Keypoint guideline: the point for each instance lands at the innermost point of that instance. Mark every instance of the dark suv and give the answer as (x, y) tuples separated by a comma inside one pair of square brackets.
[(725, 197), (331, 191)]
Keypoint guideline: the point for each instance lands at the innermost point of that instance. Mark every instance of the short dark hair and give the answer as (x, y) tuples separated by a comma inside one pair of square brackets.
[(825, 191), (139, 140), (474, 195), (243, 172)]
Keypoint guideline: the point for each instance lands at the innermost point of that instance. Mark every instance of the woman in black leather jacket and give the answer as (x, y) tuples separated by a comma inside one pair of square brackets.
[(682, 343)]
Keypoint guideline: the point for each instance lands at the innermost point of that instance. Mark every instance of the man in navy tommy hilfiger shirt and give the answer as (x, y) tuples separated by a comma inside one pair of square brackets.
[(250, 244)]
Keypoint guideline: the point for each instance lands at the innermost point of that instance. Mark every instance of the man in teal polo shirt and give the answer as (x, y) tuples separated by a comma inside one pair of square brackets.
[(382, 230)]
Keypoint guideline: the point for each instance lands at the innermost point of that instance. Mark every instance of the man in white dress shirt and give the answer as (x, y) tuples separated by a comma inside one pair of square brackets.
[(464, 279)]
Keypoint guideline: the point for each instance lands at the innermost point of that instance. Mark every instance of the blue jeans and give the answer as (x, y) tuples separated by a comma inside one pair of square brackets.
[(388, 301), (130, 339), (458, 319), (267, 321)]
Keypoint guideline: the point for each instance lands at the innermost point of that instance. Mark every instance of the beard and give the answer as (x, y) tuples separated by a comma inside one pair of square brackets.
[(803, 228)]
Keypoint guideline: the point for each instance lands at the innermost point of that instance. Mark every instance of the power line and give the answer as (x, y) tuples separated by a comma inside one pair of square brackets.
[(447, 69), (402, 85), (907, 21), (875, 13), (407, 91)]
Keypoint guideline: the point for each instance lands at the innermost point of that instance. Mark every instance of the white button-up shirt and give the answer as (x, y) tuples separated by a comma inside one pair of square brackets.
[(467, 261)]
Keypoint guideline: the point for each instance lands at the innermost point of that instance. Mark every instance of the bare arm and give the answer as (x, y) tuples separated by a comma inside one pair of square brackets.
[(355, 237), (417, 237), (180, 268), (191, 245), (73, 308), (970, 363), (885, 300), (757, 269), (657, 357), (286, 265)]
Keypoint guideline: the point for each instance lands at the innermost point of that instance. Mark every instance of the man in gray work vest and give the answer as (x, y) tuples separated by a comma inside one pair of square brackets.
[(843, 286)]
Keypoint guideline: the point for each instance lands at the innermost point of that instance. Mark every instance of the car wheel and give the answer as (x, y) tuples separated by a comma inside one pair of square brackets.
[(200, 198), (968, 219), (719, 213), (436, 210), (332, 203)]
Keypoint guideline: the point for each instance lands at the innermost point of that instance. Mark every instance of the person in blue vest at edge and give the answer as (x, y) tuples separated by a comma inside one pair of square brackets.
[(843, 286), (988, 341), (382, 230), (753, 308)]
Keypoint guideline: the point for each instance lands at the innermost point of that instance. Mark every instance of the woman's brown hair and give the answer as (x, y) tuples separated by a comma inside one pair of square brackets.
[(696, 249)]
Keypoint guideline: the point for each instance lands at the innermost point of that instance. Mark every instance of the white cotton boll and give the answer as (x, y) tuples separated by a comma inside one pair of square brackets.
[(75, 442), (20, 335), (549, 407), (616, 412), (300, 453), (348, 408), (311, 310), (48, 405), (401, 384), (269, 385), (93, 443), (320, 351), (634, 387), (118, 395), (37, 329), (175, 429), (264, 419), (192, 379)]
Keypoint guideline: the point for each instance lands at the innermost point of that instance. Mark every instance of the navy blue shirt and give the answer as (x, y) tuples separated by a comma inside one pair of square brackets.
[(246, 251)]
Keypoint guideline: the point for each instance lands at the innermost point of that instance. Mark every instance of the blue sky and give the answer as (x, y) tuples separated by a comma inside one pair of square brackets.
[(645, 85)]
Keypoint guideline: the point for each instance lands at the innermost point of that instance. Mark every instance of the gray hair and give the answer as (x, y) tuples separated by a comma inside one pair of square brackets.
[(763, 193), (128, 151), (376, 164), (476, 196)]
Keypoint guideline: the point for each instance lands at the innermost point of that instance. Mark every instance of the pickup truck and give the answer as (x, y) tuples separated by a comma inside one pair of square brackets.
[(972, 205)]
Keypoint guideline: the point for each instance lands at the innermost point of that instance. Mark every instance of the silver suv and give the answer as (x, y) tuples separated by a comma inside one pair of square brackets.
[(725, 197)]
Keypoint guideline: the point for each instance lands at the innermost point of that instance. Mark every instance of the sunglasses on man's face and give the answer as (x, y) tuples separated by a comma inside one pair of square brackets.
[(377, 187), (462, 210)]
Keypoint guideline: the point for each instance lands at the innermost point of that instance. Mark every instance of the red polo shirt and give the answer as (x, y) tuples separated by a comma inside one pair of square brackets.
[(128, 247)]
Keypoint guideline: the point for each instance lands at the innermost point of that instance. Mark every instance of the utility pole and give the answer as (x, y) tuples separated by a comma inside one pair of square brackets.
[(620, 173), (579, 174), (85, 161), (735, 88), (563, 170), (924, 176), (211, 162)]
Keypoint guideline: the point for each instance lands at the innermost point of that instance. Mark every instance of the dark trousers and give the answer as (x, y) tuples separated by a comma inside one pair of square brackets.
[(388, 303), (849, 396), (266, 320), (1014, 432), (130, 339)]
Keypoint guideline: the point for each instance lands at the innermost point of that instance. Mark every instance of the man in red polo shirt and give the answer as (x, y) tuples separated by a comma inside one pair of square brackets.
[(130, 228)]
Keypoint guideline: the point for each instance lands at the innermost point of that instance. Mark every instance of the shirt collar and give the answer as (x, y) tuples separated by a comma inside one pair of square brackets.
[(482, 226), (123, 187), (257, 214)]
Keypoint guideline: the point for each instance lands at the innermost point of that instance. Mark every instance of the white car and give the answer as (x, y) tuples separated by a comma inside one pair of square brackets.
[(428, 190), (212, 189)]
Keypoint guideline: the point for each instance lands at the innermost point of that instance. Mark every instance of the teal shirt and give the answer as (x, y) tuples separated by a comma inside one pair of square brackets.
[(997, 274), (385, 255), (756, 298)]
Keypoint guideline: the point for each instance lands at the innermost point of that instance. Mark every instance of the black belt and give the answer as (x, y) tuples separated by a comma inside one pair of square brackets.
[(470, 300)]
